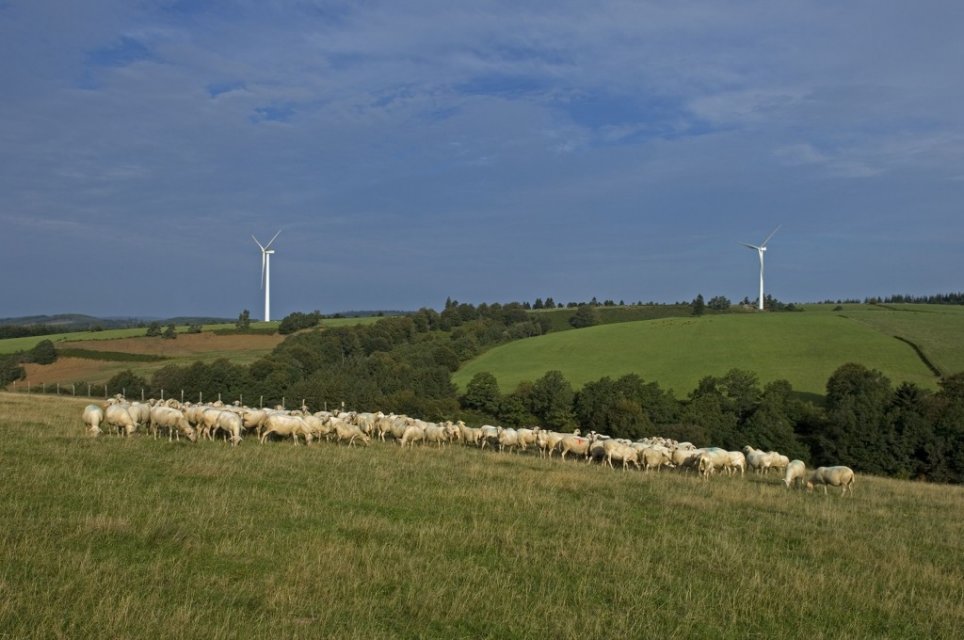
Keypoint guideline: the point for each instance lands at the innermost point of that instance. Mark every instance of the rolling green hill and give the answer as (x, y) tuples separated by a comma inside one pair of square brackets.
[(804, 348)]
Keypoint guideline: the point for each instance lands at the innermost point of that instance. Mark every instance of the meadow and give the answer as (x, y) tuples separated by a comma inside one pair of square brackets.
[(109, 352), (131, 538), (803, 347)]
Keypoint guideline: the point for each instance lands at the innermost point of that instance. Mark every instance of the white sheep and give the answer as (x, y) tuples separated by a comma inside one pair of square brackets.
[(795, 473), (842, 477), (93, 417)]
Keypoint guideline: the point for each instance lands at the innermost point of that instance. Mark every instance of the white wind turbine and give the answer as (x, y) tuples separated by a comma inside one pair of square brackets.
[(266, 252), (760, 251)]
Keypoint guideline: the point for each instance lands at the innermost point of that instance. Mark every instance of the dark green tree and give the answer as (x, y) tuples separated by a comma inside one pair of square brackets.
[(551, 400), (153, 330), (699, 307), (719, 303), (859, 433), (586, 316), (170, 333), (127, 382), (482, 394), (244, 320), (42, 353)]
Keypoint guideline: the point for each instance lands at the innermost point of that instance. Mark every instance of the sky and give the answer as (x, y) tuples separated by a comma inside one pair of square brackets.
[(485, 151)]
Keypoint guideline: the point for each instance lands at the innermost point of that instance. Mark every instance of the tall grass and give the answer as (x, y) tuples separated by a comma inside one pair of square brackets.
[(130, 538)]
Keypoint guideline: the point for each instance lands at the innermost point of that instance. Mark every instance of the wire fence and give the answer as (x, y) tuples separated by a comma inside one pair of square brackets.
[(101, 391)]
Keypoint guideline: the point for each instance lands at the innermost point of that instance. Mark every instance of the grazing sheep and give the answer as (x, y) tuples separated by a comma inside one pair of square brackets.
[(285, 425), (350, 432), (93, 417), (736, 463), (795, 473), (842, 477), (622, 452), (654, 458), (579, 445), (508, 438), (119, 418), (164, 417), (488, 435)]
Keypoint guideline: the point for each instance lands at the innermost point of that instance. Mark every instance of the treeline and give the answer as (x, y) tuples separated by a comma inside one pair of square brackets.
[(941, 298), (26, 331)]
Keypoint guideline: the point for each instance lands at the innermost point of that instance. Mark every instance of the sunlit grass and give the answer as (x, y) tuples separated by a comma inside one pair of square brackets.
[(804, 348), (134, 537)]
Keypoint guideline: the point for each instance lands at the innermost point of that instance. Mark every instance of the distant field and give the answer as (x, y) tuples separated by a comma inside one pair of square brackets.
[(803, 347), (184, 350), (11, 345), (142, 538)]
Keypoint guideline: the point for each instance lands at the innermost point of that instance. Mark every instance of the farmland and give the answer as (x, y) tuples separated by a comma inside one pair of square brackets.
[(135, 537), (102, 351), (804, 348)]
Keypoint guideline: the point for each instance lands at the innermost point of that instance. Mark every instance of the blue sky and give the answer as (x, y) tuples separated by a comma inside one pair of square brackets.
[(485, 151)]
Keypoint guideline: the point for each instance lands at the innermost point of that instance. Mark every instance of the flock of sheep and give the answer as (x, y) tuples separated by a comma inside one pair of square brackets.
[(207, 421)]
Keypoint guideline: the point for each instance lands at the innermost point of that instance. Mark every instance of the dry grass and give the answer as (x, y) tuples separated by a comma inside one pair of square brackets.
[(140, 538)]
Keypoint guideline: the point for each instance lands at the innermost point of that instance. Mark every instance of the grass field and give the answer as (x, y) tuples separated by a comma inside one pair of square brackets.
[(136, 538), (188, 348), (11, 345), (804, 348)]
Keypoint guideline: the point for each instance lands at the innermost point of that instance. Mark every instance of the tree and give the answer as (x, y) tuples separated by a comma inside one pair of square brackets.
[(482, 394), (43, 353), (699, 307), (153, 330), (551, 399), (126, 381), (859, 434), (719, 303), (244, 320), (586, 316), (170, 333)]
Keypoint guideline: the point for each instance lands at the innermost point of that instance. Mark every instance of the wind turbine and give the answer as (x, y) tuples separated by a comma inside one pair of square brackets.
[(266, 252), (760, 251)]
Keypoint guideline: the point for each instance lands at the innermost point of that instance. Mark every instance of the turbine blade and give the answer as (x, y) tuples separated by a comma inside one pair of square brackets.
[(272, 239), (256, 242), (770, 236), (750, 246)]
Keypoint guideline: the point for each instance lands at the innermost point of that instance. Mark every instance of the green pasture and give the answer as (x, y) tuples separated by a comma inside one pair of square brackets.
[(802, 347), (141, 538), (12, 345)]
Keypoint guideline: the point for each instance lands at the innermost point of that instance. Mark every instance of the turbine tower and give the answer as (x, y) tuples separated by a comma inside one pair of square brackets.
[(761, 249), (266, 252)]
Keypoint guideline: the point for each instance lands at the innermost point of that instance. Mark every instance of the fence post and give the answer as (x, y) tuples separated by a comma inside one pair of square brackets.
[(73, 389), (142, 394), (182, 396), (58, 388), (43, 387), (162, 395), (200, 397), (261, 402)]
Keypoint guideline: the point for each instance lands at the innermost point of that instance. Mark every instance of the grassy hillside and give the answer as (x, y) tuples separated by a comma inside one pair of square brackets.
[(141, 538), (804, 348)]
